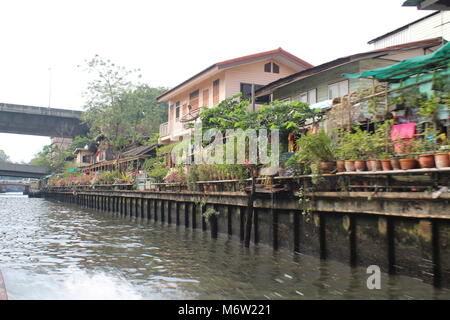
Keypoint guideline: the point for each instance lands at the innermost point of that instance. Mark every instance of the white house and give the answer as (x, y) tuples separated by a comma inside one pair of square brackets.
[(434, 25)]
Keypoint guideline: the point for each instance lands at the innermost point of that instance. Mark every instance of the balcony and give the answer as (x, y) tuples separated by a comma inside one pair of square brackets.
[(191, 116), (164, 130)]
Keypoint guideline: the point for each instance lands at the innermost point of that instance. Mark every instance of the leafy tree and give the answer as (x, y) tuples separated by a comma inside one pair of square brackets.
[(4, 157), (53, 158), (144, 112), (45, 158), (288, 117), (119, 110), (232, 114)]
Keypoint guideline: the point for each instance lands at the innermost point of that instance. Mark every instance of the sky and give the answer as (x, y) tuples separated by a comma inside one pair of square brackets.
[(44, 43)]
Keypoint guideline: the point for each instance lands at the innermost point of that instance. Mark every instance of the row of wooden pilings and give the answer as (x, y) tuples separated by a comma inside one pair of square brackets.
[(187, 213), (289, 230), (190, 215)]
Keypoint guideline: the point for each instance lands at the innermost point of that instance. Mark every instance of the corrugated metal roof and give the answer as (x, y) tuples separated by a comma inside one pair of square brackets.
[(340, 61), (139, 151)]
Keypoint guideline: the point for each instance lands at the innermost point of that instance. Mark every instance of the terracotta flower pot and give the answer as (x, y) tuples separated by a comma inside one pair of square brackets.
[(340, 165), (426, 160), (406, 164), (369, 165), (360, 165), (349, 165), (327, 166), (442, 160), (395, 163), (386, 164), (375, 165)]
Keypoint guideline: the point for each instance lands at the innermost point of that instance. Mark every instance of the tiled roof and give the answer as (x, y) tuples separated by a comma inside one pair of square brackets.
[(240, 60)]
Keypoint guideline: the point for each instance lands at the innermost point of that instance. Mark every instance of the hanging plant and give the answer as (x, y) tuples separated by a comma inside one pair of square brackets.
[(209, 213)]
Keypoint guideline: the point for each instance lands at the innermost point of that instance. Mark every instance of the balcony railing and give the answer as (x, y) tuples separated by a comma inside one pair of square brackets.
[(164, 129)]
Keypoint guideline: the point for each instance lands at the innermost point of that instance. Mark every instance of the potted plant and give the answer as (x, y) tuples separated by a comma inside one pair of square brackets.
[(385, 161), (317, 150), (442, 156), (442, 160), (395, 163), (429, 109), (426, 155), (406, 156), (408, 162), (357, 147), (379, 145), (347, 151)]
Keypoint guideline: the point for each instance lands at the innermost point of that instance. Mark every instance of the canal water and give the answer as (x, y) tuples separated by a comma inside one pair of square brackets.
[(51, 250)]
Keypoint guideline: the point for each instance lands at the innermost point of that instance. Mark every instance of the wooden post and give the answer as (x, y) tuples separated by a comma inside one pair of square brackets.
[(163, 211), (177, 212), (391, 244), (186, 215), (194, 215), (437, 272), (203, 209), (249, 214), (169, 211), (322, 236), (214, 224), (274, 215), (242, 223), (256, 226), (353, 241), (229, 210)]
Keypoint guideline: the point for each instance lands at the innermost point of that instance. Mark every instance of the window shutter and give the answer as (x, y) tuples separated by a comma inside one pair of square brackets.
[(276, 68), (216, 92), (193, 100), (206, 97)]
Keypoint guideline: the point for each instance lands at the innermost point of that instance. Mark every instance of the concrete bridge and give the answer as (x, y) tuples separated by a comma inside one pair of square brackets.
[(39, 121), (22, 170)]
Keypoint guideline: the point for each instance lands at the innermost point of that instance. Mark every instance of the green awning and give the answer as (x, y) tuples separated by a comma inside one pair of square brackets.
[(409, 67)]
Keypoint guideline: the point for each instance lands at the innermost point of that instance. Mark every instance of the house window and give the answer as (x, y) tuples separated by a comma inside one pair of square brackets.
[(206, 97), (271, 67), (86, 159), (276, 68), (216, 91), (338, 89), (309, 97), (246, 90), (193, 100), (177, 111)]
